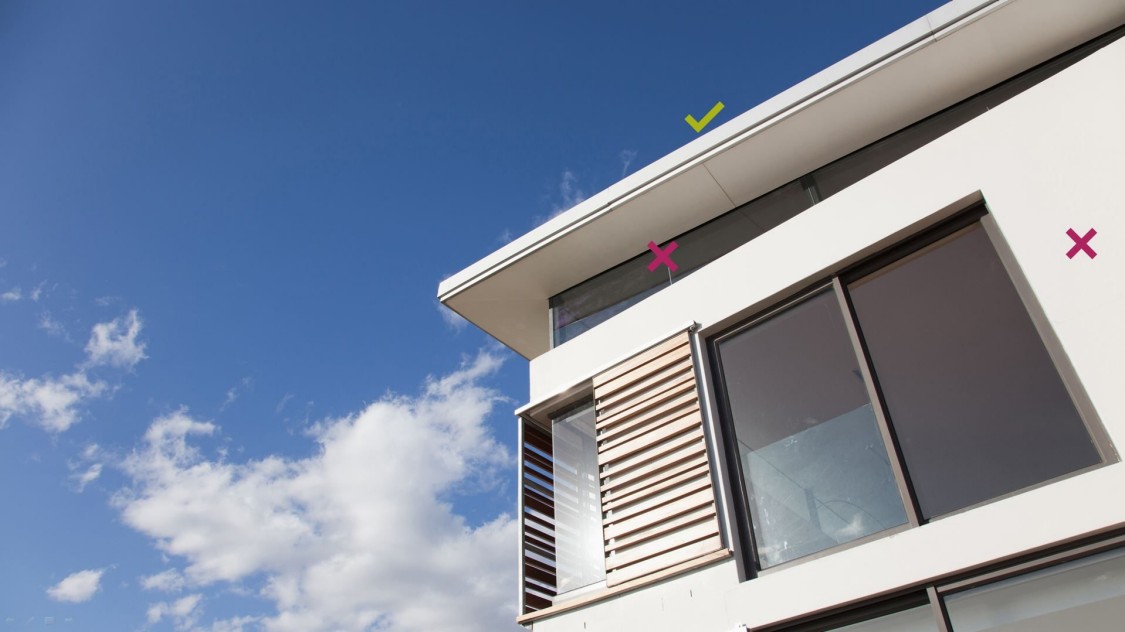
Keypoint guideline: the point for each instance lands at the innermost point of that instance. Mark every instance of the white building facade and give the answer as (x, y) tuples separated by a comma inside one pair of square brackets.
[(875, 385)]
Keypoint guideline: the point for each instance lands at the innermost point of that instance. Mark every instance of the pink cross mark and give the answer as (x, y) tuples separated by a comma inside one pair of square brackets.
[(1081, 244), (662, 256)]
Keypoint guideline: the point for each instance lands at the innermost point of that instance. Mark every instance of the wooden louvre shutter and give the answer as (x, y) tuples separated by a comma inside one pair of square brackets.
[(539, 579), (657, 501)]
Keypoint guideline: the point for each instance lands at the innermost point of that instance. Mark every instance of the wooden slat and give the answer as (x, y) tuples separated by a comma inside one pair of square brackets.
[(539, 574), (651, 399), (627, 381), (643, 442), (621, 469), (694, 456), (604, 379), (619, 424), (532, 602), (617, 435), (662, 528), (673, 371), (660, 482), (654, 548), (654, 503), (672, 558), (666, 512), (539, 545)]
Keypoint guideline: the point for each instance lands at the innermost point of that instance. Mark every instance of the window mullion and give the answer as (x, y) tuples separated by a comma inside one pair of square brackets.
[(941, 617), (867, 371)]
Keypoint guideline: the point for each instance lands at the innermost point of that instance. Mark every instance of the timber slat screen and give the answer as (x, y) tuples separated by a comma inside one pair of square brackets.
[(539, 557), (657, 501)]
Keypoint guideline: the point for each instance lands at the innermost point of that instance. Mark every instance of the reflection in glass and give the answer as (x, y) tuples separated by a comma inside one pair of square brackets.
[(578, 513), (1083, 596), (817, 472)]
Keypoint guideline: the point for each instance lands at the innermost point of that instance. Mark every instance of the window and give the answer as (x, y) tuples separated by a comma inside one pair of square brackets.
[(911, 387), (592, 302), (817, 472), (596, 300), (1087, 595), (578, 510), (977, 405), (1080, 589), (918, 619)]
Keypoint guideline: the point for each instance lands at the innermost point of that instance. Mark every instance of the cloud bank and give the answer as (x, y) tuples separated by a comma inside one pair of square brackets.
[(360, 536)]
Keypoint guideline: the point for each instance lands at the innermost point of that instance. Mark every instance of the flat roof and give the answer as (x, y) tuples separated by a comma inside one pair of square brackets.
[(935, 61)]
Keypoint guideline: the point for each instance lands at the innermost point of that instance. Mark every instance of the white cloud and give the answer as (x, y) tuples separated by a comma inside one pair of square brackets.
[(361, 534), (183, 612), (452, 319), (569, 192), (90, 475), (12, 295), (235, 624), (77, 587), (170, 580), (233, 392), (51, 403), (115, 343), (52, 326), (37, 292), (627, 157), (281, 404)]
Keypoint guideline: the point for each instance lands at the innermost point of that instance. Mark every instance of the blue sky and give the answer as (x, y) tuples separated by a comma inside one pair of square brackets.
[(228, 397)]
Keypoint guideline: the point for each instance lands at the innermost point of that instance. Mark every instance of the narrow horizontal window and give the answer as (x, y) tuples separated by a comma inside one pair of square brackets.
[(1087, 595)]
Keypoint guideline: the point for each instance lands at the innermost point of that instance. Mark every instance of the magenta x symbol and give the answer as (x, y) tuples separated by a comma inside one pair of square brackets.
[(1081, 243), (662, 256)]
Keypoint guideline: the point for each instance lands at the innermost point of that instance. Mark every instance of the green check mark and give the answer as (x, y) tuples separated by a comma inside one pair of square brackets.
[(700, 124)]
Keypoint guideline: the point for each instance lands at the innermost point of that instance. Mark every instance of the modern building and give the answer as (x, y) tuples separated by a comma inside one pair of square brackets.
[(875, 385)]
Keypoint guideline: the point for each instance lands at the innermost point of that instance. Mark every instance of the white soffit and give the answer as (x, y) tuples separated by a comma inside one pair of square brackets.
[(940, 59)]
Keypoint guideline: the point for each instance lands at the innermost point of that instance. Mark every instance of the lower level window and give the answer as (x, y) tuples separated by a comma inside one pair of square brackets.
[(1078, 591), (1087, 595)]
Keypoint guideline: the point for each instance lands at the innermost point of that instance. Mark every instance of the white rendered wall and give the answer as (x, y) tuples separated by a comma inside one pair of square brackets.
[(1050, 159)]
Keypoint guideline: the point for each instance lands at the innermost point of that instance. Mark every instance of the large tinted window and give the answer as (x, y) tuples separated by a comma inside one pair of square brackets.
[(816, 470), (972, 405), (976, 402)]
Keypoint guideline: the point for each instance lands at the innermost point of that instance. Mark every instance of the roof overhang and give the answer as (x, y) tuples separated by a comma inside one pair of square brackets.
[(952, 53)]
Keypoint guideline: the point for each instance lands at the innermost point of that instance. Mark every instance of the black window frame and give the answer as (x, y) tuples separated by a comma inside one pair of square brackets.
[(975, 214)]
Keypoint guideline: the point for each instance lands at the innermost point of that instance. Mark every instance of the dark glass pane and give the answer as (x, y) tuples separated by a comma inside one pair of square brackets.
[(978, 406), (815, 465), (578, 507), (598, 299)]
